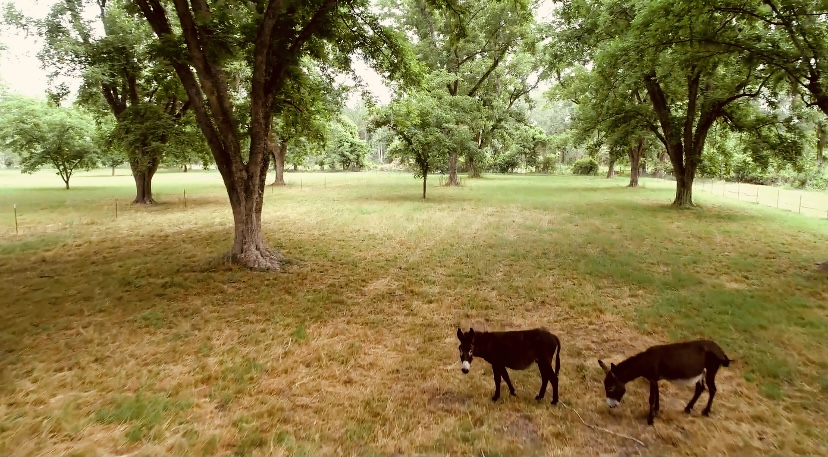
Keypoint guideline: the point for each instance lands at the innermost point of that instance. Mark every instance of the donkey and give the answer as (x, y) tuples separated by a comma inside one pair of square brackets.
[(517, 350), (686, 363)]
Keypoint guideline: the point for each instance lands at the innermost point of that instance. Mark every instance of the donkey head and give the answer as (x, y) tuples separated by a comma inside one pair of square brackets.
[(466, 349), (614, 388)]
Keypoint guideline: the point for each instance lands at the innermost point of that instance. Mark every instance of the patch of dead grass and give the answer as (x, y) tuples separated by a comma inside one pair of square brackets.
[(352, 349)]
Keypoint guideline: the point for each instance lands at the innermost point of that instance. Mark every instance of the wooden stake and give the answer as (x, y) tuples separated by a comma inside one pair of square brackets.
[(800, 203), (116, 208), (16, 231), (185, 199), (777, 197)]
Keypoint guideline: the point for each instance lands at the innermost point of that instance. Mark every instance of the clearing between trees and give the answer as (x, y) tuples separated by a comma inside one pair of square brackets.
[(132, 336)]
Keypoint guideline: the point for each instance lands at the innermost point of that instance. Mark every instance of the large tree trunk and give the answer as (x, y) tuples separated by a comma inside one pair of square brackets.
[(611, 170), (143, 181), (635, 162), (684, 191), (452, 178), (279, 153), (246, 198), (822, 137), (185, 168), (113, 170), (425, 177)]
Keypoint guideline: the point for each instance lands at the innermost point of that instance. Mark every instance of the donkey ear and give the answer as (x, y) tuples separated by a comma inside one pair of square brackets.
[(612, 366), (459, 334), (471, 332), (604, 366)]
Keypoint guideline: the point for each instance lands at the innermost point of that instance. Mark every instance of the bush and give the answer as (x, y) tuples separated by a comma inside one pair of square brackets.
[(547, 163), (585, 166)]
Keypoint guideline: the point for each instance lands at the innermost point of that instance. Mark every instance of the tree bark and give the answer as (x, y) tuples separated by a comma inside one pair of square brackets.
[(611, 170), (279, 153), (113, 170), (684, 191), (452, 178), (635, 162), (246, 198), (143, 181), (425, 178)]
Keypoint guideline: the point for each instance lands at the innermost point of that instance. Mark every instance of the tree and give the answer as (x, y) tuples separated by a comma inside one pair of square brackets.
[(786, 35), (345, 147), (48, 135), (120, 75), (664, 45), (430, 126), (311, 102), (270, 38), (466, 39)]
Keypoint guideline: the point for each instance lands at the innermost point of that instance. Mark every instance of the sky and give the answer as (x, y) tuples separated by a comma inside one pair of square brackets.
[(21, 72)]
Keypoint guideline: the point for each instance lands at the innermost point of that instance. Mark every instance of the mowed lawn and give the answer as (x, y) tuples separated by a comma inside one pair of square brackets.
[(130, 336)]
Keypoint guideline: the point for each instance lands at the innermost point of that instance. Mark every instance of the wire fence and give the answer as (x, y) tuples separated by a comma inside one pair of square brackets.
[(806, 203), (814, 204)]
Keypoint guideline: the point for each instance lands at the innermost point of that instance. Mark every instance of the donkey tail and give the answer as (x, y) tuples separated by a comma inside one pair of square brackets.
[(558, 358), (717, 351)]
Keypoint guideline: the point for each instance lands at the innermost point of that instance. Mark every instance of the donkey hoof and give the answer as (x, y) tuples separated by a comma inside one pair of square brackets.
[(496, 397), (538, 397), (513, 393), (555, 401), (706, 413), (688, 410), (650, 421)]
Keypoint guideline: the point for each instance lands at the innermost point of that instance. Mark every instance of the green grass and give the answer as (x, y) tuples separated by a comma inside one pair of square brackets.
[(127, 335)]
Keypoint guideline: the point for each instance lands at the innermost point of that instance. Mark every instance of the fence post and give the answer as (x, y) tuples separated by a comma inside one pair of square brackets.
[(300, 182), (800, 203), (757, 195), (16, 231), (185, 199), (116, 208), (778, 190), (738, 190)]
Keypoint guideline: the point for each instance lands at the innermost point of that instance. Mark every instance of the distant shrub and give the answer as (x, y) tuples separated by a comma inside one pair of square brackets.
[(585, 166), (547, 163)]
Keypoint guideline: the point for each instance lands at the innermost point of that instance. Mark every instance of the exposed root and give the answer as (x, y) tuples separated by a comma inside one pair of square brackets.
[(262, 259), (603, 429)]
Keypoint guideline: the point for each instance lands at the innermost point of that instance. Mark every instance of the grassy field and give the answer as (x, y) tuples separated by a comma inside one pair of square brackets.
[(127, 336)]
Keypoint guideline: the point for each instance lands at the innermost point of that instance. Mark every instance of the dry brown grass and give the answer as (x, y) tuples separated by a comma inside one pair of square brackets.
[(139, 341)]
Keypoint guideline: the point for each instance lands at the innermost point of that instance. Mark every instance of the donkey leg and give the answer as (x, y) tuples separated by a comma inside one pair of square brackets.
[(653, 401), (553, 378), (544, 373), (505, 375), (696, 395), (496, 371), (711, 389)]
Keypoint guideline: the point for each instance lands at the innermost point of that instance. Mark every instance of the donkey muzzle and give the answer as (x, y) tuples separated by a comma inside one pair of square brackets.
[(465, 367)]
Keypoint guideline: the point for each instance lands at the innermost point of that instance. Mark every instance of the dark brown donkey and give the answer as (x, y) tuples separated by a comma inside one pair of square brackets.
[(687, 363), (517, 350)]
